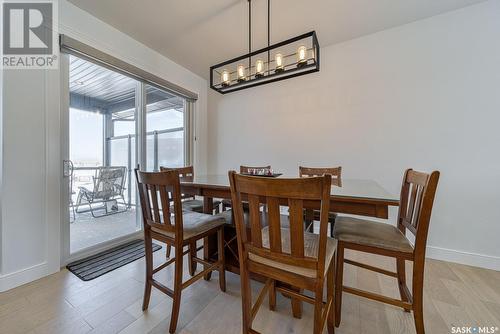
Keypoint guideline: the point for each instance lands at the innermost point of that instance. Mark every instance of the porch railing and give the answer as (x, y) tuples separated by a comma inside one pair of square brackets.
[(130, 159)]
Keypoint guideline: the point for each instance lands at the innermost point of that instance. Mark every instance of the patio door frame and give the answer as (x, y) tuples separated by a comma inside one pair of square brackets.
[(66, 255), (141, 159)]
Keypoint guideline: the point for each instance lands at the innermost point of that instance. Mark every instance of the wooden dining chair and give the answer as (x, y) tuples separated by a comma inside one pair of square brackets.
[(176, 228), (286, 255), (226, 203), (336, 173), (189, 202), (415, 207)]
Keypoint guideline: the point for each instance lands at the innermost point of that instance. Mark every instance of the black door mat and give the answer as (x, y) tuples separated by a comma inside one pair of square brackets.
[(96, 265)]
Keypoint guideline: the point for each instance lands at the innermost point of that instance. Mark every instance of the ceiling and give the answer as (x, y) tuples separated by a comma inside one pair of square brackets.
[(200, 33), (93, 87)]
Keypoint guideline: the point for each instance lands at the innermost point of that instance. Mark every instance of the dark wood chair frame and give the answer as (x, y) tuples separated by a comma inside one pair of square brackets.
[(273, 193), (417, 197), (336, 173), (186, 174), (156, 192)]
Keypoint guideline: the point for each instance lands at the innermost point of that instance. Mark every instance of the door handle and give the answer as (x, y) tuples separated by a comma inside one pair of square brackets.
[(67, 168)]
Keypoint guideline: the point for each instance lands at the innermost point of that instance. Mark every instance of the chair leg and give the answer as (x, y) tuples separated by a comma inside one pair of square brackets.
[(177, 289), (332, 225), (220, 257), (148, 245), (339, 282), (192, 254), (246, 300), (92, 210), (400, 270), (418, 302), (296, 304), (318, 309), (272, 296), (169, 250), (330, 277), (206, 256)]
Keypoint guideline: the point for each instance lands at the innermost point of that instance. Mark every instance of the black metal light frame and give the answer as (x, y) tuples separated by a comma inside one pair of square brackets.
[(289, 71), (310, 67)]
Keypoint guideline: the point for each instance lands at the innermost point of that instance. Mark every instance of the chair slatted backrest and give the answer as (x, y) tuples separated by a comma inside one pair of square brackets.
[(156, 191), (275, 192), (186, 174), (247, 169), (416, 202), (109, 181), (335, 172)]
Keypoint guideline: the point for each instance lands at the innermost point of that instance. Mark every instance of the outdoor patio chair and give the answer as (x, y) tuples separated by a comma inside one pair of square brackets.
[(108, 187)]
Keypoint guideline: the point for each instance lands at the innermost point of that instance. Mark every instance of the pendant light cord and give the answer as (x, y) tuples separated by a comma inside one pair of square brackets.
[(249, 37), (268, 36)]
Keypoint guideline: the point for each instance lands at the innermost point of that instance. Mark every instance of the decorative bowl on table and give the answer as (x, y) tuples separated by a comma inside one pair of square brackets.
[(263, 172)]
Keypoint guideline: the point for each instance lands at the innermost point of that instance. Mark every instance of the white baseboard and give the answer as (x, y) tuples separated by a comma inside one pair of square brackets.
[(18, 278), (471, 259), (23, 276)]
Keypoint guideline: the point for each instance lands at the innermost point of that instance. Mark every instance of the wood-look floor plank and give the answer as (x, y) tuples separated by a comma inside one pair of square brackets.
[(454, 295), (114, 324)]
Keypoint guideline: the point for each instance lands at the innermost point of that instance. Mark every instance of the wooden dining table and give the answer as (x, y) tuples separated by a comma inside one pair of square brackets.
[(355, 196)]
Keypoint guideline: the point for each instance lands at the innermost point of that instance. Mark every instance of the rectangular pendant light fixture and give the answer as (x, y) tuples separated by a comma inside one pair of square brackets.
[(291, 58)]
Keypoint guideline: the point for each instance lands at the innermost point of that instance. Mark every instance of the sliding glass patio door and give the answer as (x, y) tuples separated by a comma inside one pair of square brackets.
[(102, 155), (114, 124)]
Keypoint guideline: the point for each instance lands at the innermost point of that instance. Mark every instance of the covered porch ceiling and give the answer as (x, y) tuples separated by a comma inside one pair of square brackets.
[(98, 89)]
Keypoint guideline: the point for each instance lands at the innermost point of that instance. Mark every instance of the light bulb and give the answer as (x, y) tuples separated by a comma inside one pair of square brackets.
[(301, 55), (278, 58), (241, 73), (224, 78), (259, 68)]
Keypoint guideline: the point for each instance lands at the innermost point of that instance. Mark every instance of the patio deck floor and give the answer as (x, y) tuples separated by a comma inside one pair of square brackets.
[(88, 231)]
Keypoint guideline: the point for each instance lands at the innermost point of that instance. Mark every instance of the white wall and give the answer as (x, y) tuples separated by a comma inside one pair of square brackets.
[(30, 224), (423, 95)]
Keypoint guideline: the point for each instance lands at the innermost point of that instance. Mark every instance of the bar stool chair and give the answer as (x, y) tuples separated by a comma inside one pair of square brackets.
[(189, 202), (417, 198), (157, 191), (284, 255), (226, 203), (336, 173)]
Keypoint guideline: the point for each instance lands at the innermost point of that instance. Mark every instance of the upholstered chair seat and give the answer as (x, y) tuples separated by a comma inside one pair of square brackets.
[(370, 233), (194, 224)]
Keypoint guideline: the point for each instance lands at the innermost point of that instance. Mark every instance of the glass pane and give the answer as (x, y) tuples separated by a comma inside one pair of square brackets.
[(86, 138), (165, 119), (102, 149), (171, 149), (150, 156), (118, 151), (123, 128), (165, 129)]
